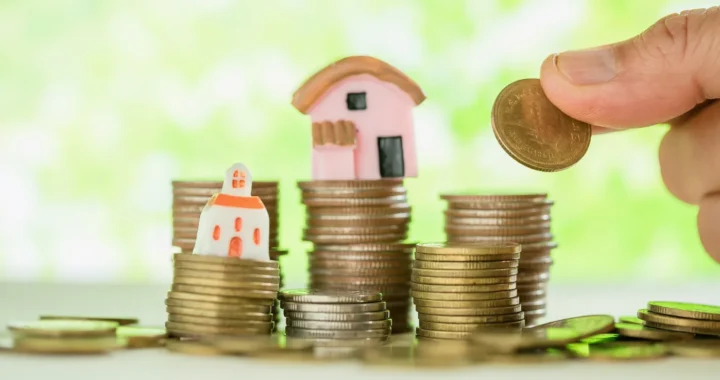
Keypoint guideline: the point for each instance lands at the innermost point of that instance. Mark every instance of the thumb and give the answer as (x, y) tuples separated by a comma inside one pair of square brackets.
[(649, 79)]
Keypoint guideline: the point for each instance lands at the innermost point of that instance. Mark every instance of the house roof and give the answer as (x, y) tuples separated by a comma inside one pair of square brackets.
[(318, 84)]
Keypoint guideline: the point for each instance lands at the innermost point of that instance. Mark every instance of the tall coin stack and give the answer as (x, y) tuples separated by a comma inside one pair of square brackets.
[(190, 197), (214, 295), (458, 289), (356, 227), (523, 219), (336, 318)]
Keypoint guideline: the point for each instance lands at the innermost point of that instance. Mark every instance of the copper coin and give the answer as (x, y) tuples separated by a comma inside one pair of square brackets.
[(532, 277), (534, 131), (685, 310), (370, 230), (520, 239), (350, 239), (349, 202), (497, 205), (648, 316), (441, 296), (360, 266), (493, 197), (354, 193), (401, 219), (387, 209), (367, 247), (496, 222), (350, 184), (499, 213), (480, 230)]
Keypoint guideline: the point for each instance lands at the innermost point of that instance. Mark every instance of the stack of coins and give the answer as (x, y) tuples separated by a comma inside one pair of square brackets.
[(190, 197), (336, 318), (460, 288), (523, 219), (356, 228), (682, 317), (214, 295)]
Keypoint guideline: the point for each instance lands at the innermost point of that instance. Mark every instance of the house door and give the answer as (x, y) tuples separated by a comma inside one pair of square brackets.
[(235, 249), (390, 155)]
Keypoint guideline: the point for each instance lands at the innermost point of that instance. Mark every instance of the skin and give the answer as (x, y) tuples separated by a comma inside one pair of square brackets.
[(670, 73)]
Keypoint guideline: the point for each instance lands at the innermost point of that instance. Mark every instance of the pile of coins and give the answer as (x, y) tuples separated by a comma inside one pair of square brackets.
[(336, 317), (190, 197), (458, 289), (214, 295), (357, 228), (523, 219), (681, 317)]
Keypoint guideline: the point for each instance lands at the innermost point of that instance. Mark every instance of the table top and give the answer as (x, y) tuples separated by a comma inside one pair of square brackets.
[(27, 301)]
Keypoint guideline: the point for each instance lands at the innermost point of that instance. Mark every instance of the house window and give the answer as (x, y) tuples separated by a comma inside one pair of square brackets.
[(356, 101)]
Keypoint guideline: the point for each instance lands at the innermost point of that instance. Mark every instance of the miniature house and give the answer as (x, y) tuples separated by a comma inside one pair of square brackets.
[(233, 223), (362, 122)]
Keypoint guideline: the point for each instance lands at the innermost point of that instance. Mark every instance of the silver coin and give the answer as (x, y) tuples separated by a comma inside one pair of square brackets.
[(336, 334), (325, 325), (338, 317), (329, 296), (333, 308)]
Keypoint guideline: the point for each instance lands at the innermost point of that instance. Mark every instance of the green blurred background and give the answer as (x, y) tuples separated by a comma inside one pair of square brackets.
[(103, 102)]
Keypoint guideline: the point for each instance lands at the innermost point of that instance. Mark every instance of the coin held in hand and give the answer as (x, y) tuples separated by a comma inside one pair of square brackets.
[(536, 133)]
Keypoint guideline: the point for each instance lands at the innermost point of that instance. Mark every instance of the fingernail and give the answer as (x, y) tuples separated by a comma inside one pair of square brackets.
[(584, 67)]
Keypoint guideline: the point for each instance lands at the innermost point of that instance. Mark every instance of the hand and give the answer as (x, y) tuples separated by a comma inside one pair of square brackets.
[(669, 73)]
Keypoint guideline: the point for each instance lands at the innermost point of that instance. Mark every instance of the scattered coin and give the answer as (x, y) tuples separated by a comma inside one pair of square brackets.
[(633, 330), (141, 337), (65, 345), (627, 351), (648, 316), (119, 321), (63, 328), (685, 310), (631, 319), (695, 348)]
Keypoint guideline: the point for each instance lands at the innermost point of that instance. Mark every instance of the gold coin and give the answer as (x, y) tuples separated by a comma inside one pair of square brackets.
[(685, 310), (440, 296), (249, 321), (470, 319), (462, 280), (141, 337), (445, 305), (190, 329), (235, 270), (466, 327), (267, 284), (231, 315), (493, 197), (74, 345), (218, 307), (119, 321), (687, 329), (58, 328), (486, 273), (492, 231), (442, 334), (647, 316), (361, 267), (532, 209), (532, 277), (627, 351), (464, 266), (338, 317), (226, 292), (329, 296), (631, 319), (333, 308), (227, 277), (468, 249), (535, 132), (455, 221), (367, 248), (695, 348), (632, 330), (220, 302), (520, 239), (494, 311), (193, 347), (462, 288), (500, 205), (335, 334), (328, 325), (465, 258), (206, 259)]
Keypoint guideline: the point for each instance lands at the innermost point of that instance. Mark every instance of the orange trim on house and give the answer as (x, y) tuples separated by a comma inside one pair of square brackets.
[(239, 202), (318, 84)]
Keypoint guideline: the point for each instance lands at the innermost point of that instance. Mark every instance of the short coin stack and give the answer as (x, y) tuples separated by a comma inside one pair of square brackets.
[(682, 317), (523, 219), (64, 336), (189, 198), (356, 228), (214, 295), (350, 318), (460, 288)]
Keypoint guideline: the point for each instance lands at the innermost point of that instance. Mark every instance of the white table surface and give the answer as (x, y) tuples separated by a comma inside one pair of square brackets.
[(27, 301)]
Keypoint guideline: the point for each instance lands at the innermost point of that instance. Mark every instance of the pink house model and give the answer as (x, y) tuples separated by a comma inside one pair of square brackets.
[(362, 122)]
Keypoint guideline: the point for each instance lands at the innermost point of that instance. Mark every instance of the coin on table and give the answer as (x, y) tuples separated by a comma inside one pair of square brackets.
[(687, 329), (442, 296), (632, 330), (193, 347), (231, 315), (475, 266), (335, 334), (475, 311), (119, 321), (647, 316), (535, 132), (141, 337), (218, 307), (337, 317), (627, 351), (289, 306), (73, 345), (631, 319), (327, 325), (62, 328), (486, 304), (695, 348), (328, 296), (685, 310), (266, 295)]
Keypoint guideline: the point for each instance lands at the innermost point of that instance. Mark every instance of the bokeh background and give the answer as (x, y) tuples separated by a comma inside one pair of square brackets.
[(103, 102)]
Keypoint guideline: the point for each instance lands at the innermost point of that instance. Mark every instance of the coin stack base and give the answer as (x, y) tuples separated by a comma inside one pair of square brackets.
[(523, 219), (458, 289), (216, 296), (356, 228), (682, 317), (336, 318)]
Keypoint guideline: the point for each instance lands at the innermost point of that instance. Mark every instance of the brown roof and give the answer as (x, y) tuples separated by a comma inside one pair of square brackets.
[(317, 84)]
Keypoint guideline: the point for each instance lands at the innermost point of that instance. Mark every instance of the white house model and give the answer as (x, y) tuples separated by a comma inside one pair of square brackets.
[(233, 222)]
